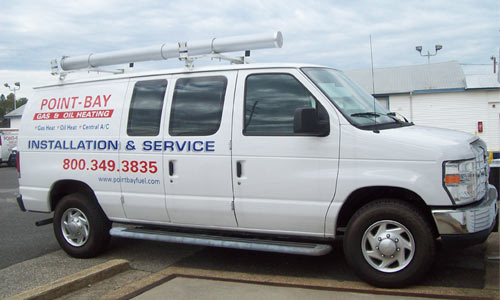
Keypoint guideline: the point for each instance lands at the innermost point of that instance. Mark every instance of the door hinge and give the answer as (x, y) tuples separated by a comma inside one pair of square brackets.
[(230, 144), (122, 199), (232, 205)]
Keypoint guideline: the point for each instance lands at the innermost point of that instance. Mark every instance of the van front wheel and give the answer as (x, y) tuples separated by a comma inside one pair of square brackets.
[(80, 226), (389, 243)]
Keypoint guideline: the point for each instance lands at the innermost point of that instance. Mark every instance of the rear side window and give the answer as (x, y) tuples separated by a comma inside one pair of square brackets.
[(197, 106), (144, 116)]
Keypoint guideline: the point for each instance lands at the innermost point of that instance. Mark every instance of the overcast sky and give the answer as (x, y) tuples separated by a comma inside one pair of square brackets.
[(331, 33)]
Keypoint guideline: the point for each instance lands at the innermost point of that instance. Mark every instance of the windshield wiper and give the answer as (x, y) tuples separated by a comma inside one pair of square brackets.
[(366, 114), (393, 115)]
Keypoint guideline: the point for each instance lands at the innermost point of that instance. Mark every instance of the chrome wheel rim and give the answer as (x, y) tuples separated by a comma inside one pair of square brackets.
[(75, 227), (388, 246)]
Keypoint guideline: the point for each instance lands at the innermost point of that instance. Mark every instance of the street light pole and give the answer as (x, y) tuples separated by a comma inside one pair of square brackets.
[(437, 47), (16, 87)]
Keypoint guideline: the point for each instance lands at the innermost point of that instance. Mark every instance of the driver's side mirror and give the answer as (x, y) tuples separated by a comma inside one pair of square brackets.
[(306, 121)]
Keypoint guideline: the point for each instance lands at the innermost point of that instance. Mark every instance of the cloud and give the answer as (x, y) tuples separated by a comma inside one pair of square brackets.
[(321, 32), (28, 79)]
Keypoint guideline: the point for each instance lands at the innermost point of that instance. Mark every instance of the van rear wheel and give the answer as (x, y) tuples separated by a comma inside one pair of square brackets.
[(80, 226), (389, 243), (12, 161)]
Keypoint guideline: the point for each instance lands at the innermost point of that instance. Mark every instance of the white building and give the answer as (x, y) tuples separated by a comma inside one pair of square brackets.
[(15, 117), (439, 95)]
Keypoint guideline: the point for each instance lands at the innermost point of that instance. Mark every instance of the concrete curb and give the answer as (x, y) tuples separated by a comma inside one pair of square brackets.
[(76, 281), (136, 288)]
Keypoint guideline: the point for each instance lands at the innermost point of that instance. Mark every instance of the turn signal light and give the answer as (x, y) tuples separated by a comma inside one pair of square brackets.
[(452, 179)]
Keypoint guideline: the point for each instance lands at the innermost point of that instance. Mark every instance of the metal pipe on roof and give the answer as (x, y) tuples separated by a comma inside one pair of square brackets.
[(166, 51)]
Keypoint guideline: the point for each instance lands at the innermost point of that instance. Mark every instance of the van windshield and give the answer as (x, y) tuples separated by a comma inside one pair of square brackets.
[(359, 107)]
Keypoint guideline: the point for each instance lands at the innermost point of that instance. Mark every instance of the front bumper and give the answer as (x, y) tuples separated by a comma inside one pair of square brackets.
[(472, 223)]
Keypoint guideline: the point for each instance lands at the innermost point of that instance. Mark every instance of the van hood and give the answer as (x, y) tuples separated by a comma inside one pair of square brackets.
[(410, 143)]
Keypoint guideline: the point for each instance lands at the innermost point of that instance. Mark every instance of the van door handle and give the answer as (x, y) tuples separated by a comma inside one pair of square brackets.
[(170, 168), (238, 169)]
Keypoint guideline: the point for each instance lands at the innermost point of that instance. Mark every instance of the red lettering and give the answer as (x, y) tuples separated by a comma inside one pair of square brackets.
[(74, 101), (44, 103), (88, 102), (106, 99), (97, 101), (87, 114), (52, 103), (63, 103), (42, 116)]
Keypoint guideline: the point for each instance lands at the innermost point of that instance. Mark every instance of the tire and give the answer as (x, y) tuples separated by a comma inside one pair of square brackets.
[(80, 226), (12, 161), (388, 243)]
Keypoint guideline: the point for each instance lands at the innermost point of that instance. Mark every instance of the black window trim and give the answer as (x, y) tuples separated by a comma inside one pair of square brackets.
[(272, 134)]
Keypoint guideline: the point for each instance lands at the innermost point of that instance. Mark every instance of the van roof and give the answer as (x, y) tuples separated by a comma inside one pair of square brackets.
[(181, 71)]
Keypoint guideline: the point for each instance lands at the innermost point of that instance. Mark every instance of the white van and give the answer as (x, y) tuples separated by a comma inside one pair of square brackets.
[(270, 157), (8, 143)]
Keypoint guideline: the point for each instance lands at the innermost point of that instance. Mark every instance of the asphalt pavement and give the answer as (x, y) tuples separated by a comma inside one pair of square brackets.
[(20, 239)]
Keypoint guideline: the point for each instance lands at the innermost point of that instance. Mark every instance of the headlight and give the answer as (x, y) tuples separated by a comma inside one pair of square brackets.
[(460, 180)]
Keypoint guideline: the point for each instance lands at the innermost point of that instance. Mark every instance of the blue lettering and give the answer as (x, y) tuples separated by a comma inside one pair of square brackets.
[(75, 145), (157, 146), (146, 145), (102, 145), (209, 146), (198, 149), (168, 145), (179, 147), (113, 145)]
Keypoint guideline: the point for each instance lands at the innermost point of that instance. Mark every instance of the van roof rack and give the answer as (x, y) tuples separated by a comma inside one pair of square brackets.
[(184, 51)]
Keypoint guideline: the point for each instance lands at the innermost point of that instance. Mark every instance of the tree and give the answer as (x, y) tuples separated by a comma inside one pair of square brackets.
[(7, 105), (21, 101)]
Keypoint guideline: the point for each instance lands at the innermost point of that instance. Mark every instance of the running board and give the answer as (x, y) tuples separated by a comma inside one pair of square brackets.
[(222, 241)]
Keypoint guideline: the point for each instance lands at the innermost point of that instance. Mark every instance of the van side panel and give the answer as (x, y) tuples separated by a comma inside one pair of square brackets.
[(71, 132)]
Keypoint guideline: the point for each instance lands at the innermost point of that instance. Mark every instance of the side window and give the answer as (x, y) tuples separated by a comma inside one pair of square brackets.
[(197, 106), (144, 116), (271, 101)]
